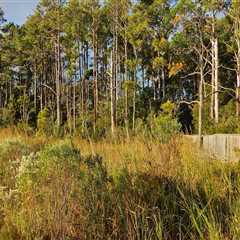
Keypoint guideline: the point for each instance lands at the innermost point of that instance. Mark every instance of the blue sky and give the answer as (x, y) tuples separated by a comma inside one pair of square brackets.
[(17, 10)]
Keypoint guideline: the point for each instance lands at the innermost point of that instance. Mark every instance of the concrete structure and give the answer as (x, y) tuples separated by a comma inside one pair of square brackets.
[(222, 146)]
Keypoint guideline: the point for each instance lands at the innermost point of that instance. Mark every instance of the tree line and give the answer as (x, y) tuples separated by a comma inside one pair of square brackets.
[(111, 64)]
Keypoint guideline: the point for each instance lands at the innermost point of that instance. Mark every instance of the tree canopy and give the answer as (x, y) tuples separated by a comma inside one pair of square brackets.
[(94, 64)]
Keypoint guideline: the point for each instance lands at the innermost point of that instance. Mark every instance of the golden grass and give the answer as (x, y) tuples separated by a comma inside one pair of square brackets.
[(137, 155), (179, 159), (187, 177)]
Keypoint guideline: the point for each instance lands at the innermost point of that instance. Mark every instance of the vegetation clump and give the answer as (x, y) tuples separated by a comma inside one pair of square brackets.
[(161, 192)]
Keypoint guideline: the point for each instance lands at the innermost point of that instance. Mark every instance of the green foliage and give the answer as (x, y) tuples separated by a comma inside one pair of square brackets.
[(7, 116), (158, 62), (228, 122), (153, 47), (168, 108), (44, 122), (11, 152), (64, 189), (235, 230), (86, 128), (165, 125)]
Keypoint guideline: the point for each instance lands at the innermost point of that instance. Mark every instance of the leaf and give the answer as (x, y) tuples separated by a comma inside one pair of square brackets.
[(158, 62), (175, 68), (160, 45)]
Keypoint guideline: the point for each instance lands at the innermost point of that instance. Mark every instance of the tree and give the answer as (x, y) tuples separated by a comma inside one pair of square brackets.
[(235, 48), (90, 60), (214, 8), (194, 28)]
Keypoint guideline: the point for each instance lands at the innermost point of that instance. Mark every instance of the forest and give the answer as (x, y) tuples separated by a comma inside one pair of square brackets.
[(97, 102), (94, 68)]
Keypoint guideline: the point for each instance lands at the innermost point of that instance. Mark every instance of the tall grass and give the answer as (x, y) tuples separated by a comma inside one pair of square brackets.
[(138, 190)]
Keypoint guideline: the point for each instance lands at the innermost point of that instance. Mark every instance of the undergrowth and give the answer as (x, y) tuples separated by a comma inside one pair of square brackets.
[(138, 189)]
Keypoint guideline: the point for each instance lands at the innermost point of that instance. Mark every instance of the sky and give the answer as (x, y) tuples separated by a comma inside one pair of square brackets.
[(17, 11)]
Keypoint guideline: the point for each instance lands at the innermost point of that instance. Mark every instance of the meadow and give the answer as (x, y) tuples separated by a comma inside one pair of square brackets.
[(141, 189)]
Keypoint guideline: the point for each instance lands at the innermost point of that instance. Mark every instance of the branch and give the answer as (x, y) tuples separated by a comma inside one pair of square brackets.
[(206, 73), (224, 88), (191, 74), (188, 103), (109, 74), (231, 69), (44, 85), (212, 93)]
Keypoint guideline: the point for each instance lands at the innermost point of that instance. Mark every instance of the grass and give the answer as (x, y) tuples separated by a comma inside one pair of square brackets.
[(136, 189)]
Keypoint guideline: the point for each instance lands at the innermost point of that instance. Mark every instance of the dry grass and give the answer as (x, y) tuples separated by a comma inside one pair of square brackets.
[(137, 154), (165, 190)]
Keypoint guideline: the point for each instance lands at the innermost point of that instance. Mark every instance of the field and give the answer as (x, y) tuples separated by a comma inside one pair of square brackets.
[(137, 189)]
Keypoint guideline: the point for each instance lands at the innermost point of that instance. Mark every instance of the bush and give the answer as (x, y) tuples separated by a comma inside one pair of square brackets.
[(11, 152), (228, 122), (57, 194), (7, 116), (25, 128), (44, 122), (174, 192), (165, 125), (85, 124)]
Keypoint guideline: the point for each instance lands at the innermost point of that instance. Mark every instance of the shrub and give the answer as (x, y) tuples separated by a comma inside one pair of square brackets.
[(7, 116), (46, 181), (25, 128), (57, 195), (44, 122), (11, 152), (165, 125), (228, 122), (85, 124), (158, 191)]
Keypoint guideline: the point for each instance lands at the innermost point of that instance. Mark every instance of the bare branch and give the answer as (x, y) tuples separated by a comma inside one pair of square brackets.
[(52, 90), (191, 74), (188, 103), (224, 88), (231, 69)]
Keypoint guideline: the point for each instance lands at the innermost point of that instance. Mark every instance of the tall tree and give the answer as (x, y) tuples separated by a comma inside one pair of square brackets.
[(235, 47)]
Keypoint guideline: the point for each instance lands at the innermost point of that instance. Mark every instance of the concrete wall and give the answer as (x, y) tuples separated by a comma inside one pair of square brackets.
[(222, 146)]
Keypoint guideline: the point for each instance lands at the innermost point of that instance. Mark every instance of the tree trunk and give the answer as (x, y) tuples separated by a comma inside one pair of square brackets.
[(200, 112), (216, 83), (238, 73), (116, 63), (41, 93), (134, 100), (74, 104), (58, 82), (84, 85), (35, 89), (112, 94), (126, 87), (68, 108), (134, 91), (163, 84), (95, 78), (238, 90), (143, 78), (212, 81)]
